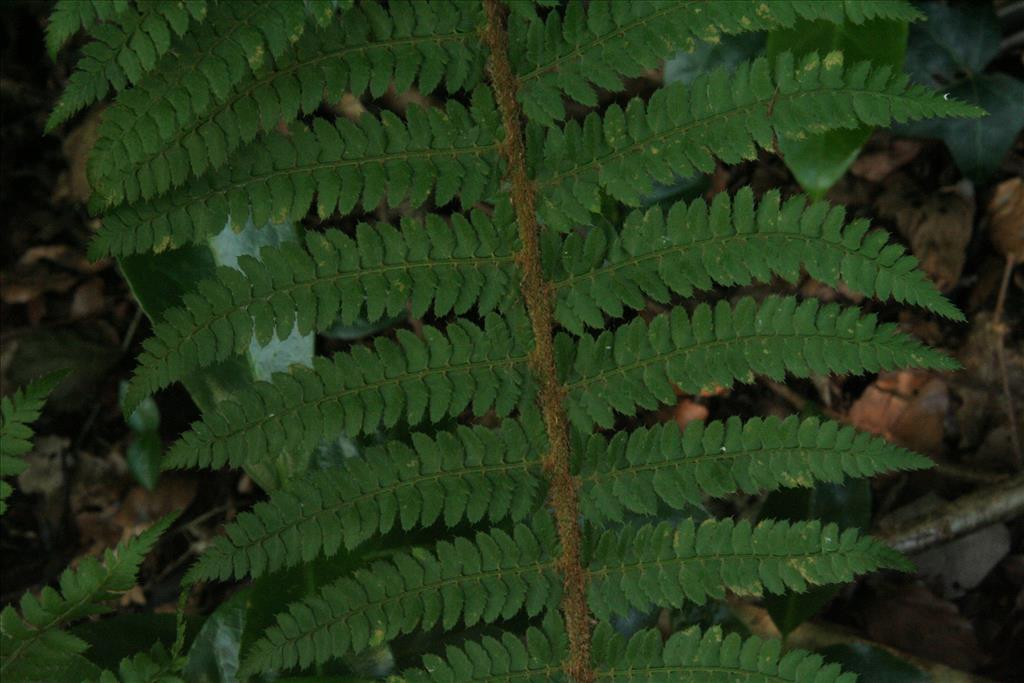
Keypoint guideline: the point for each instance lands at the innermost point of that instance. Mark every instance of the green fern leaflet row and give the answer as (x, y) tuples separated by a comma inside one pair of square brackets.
[(439, 375), (126, 47), (639, 471), (469, 474), (17, 412), (690, 655), (71, 16), (368, 47), (640, 364), (495, 576), (427, 265), (441, 267), (236, 40), (478, 473), (418, 44), (600, 44), (444, 152), (680, 130), (34, 647), (733, 242)]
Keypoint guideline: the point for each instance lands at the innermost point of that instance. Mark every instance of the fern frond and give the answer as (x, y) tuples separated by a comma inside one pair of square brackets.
[(451, 267), (143, 667), (68, 17), (598, 44), (356, 392), (368, 47), (691, 655), (451, 152), (638, 364), (498, 575), (126, 47), (202, 71), (672, 564), (682, 129), (734, 242), (468, 474), (635, 472), (535, 658), (17, 412), (32, 640), (494, 576), (476, 473)]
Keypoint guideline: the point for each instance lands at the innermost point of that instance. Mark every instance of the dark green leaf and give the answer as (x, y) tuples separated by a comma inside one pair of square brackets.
[(818, 161), (114, 638), (144, 458), (214, 655), (874, 664), (159, 281), (848, 505), (957, 40), (145, 418), (980, 145), (728, 53)]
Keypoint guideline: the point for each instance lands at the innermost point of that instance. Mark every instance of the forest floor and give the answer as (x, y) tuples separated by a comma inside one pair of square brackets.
[(964, 608)]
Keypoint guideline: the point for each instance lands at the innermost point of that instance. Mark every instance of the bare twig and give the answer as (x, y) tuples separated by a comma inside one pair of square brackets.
[(959, 517), (1000, 330)]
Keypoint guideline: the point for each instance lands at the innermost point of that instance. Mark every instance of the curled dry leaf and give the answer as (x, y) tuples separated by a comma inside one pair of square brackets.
[(936, 223), (73, 184), (687, 410), (915, 620), (1006, 218), (908, 408), (980, 384), (877, 165), (88, 299)]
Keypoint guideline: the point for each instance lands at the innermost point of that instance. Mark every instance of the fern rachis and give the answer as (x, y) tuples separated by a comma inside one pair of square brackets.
[(504, 423)]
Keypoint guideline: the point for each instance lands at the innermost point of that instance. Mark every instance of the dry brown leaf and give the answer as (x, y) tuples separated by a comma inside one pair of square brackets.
[(1006, 218), (915, 620), (73, 184), (26, 287), (687, 410), (63, 255), (979, 385), (908, 408), (876, 166), (141, 507), (133, 596), (936, 223), (45, 472), (88, 299)]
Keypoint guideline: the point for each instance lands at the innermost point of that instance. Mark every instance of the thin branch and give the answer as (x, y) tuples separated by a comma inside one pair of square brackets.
[(1000, 330), (960, 517)]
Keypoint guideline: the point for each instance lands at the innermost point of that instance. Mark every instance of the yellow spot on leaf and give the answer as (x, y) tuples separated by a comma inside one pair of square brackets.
[(833, 60), (256, 58)]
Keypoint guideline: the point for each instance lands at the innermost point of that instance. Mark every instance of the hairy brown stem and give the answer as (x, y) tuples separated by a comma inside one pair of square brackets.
[(538, 295)]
